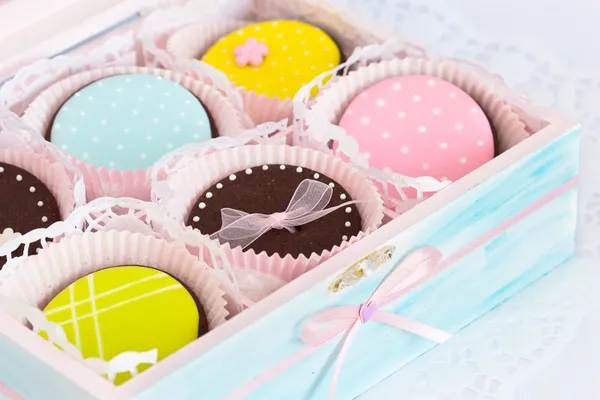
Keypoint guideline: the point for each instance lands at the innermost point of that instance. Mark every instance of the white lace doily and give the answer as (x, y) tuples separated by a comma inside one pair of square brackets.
[(540, 344)]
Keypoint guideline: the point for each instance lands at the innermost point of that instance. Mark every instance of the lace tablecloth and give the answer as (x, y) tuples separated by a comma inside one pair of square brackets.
[(540, 344)]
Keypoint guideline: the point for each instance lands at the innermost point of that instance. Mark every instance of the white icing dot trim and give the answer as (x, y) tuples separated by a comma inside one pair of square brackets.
[(202, 205), (19, 178), (331, 184), (196, 219), (347, 224), (219, 185), (348, 210), (316, 176), (232, 177), (209, 195), (248, 171), (265, 167), (8, 234), (282, 167), (299, 169), (1, 170), (32, 189), (44, 219), (40, 203), (343, 196), (344, 237)]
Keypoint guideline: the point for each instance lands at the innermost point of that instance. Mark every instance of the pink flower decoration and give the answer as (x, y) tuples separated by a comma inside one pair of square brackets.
[(252, 52)]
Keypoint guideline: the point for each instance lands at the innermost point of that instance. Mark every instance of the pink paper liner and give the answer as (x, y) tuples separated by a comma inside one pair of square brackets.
[(52, 175), (199, 175), (38, 279), (101, 181), (335, 98), (192, 41)]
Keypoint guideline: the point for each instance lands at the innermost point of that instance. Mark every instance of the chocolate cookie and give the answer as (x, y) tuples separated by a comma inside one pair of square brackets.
[(268, 189), (26, 204)]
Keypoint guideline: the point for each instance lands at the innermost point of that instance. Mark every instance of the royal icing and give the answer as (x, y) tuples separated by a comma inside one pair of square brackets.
[(420, 125), (7, 235), (26, 204), (128, 308), (129, 121), (275, 58), (270, 190)]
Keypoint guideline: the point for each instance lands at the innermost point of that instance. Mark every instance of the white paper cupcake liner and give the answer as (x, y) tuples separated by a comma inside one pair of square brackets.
[(187, 184), (102, 181)]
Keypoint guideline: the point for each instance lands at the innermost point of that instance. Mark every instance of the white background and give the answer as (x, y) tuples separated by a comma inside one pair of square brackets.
[(544, 343)]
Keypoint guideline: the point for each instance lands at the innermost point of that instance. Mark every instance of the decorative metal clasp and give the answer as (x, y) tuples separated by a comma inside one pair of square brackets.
[(362, 268)]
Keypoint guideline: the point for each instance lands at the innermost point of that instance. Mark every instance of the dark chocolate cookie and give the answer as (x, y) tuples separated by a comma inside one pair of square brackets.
[(268, 189), (26, 204)]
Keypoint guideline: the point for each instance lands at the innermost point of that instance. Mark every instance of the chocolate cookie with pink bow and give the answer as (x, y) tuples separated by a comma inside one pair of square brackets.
[(277, 208)]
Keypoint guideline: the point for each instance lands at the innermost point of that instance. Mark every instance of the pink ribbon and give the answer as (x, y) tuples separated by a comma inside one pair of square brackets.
[(308, 204), (348, 320)]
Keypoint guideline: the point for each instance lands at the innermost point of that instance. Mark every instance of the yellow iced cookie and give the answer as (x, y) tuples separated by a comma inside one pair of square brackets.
[(126, 308), (275, 58)]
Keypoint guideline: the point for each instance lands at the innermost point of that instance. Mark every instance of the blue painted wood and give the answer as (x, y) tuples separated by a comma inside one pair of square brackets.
[(33, 379), (455, 298)]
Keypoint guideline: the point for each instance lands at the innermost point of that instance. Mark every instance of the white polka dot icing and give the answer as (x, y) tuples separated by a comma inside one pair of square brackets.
[(129, 121), (427, 127)]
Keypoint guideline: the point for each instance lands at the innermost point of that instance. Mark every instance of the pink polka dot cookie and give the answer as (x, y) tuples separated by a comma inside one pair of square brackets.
[(420, 125)]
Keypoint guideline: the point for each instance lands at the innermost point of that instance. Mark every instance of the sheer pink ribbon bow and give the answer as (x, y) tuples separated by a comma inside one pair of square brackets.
[(308, 204), (348, 319)]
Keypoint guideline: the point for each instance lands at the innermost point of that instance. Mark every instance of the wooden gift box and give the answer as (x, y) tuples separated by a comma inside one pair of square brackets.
[(497, 230)]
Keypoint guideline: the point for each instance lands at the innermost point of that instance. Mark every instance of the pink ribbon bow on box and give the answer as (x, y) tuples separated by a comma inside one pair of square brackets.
[(308, 204), (348, 320)]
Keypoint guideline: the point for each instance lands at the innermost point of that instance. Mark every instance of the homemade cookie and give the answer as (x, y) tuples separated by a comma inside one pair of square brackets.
[(419, 125), (274, 58), (26, 204), (129, 121), (268, 189), (127, 308)]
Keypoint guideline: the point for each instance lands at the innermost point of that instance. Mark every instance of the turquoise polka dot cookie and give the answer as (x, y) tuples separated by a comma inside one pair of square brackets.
[(129, 121)]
